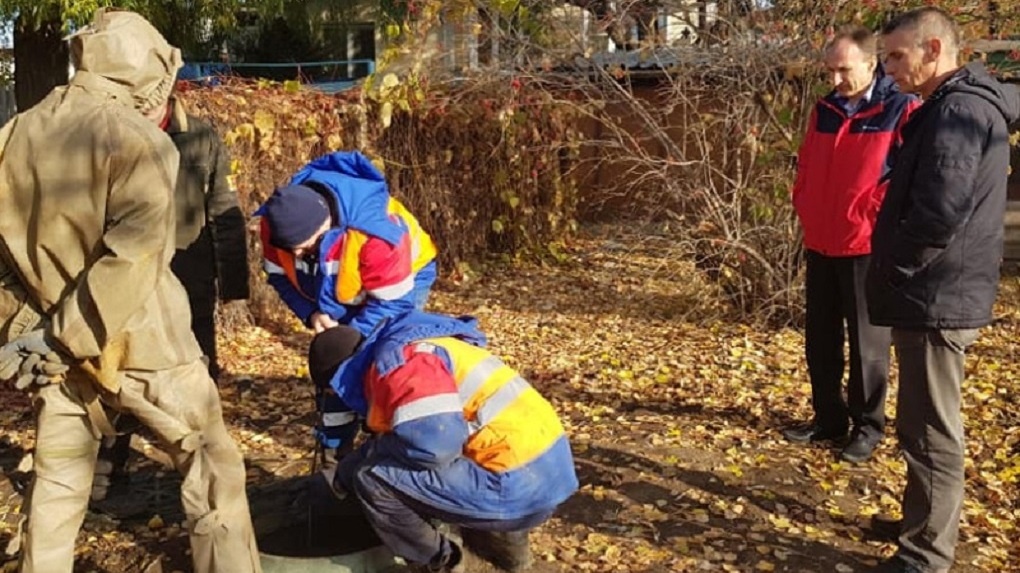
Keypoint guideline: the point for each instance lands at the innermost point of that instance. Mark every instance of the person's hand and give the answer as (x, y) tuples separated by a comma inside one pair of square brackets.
[(33, 359), (321, 321)]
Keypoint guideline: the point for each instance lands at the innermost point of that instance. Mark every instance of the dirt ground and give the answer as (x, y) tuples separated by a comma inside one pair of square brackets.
[(674, 424)]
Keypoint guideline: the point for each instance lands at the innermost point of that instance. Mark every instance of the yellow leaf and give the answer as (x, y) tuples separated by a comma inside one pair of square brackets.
[(156, 522), (680, 546), (780, 522), (868, 511), (765, 566), (390, 81), (264, 121), (386, 114)]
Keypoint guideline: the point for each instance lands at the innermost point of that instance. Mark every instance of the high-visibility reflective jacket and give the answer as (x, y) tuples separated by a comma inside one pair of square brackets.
[(373, 263), (457, 428)]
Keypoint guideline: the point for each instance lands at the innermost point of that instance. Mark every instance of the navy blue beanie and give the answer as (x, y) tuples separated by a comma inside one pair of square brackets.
[(295, 213)]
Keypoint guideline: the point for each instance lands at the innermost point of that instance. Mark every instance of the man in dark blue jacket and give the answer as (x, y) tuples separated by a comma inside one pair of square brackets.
[(934, 272)]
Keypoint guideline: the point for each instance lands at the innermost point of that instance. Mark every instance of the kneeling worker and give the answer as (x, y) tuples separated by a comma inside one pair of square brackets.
[(456, 436)]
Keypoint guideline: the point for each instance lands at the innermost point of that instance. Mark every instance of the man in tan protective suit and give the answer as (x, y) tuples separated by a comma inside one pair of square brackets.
[(92, 321)]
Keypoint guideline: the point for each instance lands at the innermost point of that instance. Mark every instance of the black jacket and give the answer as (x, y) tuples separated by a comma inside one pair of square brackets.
[(212, 249), (937, 243)]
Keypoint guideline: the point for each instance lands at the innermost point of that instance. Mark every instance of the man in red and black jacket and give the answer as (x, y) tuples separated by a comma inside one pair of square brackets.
[(842, 166)]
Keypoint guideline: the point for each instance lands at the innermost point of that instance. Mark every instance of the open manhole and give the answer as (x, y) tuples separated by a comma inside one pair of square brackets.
[(300, 525), (303, 528)]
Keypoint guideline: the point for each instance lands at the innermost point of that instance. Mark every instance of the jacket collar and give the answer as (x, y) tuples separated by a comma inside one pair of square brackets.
[(881, 86), (95, 82), (384, 349), (360, 191)]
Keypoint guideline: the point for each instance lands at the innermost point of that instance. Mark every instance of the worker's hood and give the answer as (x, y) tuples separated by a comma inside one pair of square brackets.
[(126, 49)]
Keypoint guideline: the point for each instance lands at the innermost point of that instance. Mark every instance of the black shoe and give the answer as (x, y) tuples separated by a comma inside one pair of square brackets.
[(859, 449), (896, 565), (452, 562), (885, 527), (814, 433), (510, 550)]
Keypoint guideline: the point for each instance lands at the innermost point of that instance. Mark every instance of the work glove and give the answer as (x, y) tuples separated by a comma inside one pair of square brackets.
[(33, 359)]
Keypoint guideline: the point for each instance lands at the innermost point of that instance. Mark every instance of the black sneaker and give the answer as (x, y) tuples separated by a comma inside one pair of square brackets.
[(509, 550), (896, 565), (809, 433), (885, 527), (452, 562), (859, 449)]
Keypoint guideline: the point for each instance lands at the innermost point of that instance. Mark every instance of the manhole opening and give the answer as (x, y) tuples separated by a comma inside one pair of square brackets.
[(306, 520)]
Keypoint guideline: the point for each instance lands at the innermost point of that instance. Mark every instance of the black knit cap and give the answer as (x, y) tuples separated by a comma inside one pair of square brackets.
[(295, 213), (329, 349)]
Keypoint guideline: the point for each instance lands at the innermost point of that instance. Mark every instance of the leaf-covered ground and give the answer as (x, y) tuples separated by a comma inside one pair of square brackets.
[(675, 427)]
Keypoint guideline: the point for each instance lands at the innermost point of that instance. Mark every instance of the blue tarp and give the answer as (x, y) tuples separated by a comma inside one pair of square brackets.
[(209, 73)]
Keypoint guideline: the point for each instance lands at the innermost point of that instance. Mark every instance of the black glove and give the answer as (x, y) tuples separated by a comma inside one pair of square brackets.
[(33, 359)]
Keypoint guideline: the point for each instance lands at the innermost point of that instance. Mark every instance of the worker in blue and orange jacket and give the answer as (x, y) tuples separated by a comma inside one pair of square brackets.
[(340, 250), (456, 436)]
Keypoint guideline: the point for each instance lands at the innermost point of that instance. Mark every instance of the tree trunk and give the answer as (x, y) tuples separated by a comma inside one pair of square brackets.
[(40, 58)]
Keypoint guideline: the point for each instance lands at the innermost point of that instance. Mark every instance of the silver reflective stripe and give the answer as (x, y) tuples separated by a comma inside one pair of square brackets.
[(500, 400), (422, 407), (272, 268), (415, 248), (475, 379), (338, 418), (394, 291), (333, 267)]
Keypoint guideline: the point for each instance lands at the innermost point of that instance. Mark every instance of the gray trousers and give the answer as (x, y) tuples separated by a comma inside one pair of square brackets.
[(929, 426)]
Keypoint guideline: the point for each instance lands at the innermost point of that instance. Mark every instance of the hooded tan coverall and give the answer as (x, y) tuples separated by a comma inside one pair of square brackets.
[(87, 231)]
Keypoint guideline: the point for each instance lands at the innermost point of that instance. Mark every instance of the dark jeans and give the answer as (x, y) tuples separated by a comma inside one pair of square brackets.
[(402, 522), (930, 431), (196, 271), (203, 325), (836, 310)]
